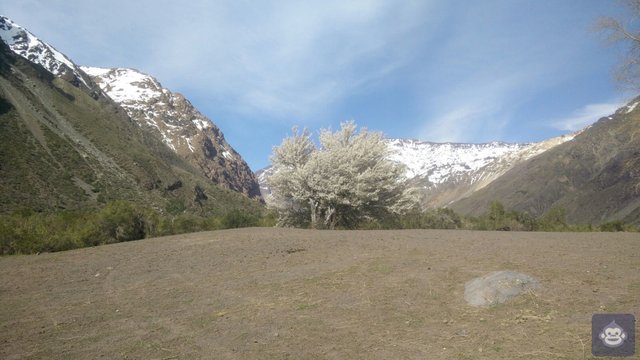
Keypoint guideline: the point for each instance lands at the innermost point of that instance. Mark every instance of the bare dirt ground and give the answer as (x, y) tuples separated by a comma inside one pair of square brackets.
[(297, 294)]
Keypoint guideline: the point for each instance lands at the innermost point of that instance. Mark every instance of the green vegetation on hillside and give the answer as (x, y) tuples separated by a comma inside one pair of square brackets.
[(71, 149), (26, 232), (76, 171)]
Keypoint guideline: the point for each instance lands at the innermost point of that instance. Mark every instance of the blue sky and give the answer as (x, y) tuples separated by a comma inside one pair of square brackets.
[(445, 70)]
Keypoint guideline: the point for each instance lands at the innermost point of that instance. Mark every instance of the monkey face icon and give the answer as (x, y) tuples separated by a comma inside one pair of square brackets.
[(613, 335)]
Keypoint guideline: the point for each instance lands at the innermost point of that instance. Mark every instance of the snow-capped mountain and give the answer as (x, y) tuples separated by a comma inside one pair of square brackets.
[(169, 115), (69, 147), (445, 172), (27, 45), (181, 126), (263, 179), (440, 162)]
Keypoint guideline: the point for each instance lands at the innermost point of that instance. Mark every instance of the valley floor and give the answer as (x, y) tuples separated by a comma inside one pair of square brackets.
[(265, 293)]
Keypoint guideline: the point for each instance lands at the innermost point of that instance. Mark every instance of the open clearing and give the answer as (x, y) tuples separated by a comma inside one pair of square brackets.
[(265, 293)]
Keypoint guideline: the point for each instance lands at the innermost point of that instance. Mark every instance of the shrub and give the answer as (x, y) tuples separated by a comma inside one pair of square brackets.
[(554, 220), (27, 232), (441, 218), (7, 235), (176, 207), (268, 219), (187, 223), (238, 219), (119, 221), (613, 226)]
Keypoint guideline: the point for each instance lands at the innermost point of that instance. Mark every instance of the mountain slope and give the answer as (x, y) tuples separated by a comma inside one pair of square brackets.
[(183, 128), (446, 172), (65, 145), (595, 177)]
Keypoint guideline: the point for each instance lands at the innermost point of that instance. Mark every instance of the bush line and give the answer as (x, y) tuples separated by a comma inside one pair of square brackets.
[(26, 232)]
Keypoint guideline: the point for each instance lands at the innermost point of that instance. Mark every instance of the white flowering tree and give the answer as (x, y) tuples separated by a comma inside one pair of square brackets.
[(348, 178)]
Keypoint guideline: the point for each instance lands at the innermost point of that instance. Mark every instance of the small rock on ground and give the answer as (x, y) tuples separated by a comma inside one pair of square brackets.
[(498, 287)]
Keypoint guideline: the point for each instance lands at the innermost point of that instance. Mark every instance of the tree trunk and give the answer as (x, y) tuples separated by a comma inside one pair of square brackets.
[(313, 205), (330, 218)]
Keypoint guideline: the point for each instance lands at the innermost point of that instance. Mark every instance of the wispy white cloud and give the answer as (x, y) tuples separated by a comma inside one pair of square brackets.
[(491, 65), (442, 70), (586, 115), (470, 112), (288, 58), (271, 58)]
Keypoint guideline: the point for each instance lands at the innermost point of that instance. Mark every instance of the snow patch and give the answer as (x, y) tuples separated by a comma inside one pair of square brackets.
[(167, 141), (189, 145), (201, 124), (631, 107), (127, 86), (95, 71), (28, 46)]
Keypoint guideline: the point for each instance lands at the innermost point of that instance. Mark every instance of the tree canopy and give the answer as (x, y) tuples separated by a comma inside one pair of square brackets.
[(347, 179)]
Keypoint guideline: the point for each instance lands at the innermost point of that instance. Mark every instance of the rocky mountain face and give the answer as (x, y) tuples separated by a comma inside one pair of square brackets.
[(595, 177), (446, 172), (180, 126), (27, 45), (263, 179), (65, 144)]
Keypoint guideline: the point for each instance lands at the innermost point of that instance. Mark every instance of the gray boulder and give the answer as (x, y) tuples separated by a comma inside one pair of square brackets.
[(498, 287)]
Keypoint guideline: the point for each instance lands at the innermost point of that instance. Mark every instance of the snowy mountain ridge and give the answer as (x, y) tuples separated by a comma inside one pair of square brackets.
[(144, 98), (446, 172), (27, 45), (179, 124), (441, 162)]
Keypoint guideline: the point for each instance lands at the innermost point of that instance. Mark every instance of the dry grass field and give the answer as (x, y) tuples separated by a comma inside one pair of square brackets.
[(265, 293)]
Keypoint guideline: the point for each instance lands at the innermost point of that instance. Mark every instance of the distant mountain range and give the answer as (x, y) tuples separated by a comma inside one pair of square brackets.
[(446, 172), (74, 137), (65, 143), (594, 174)]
